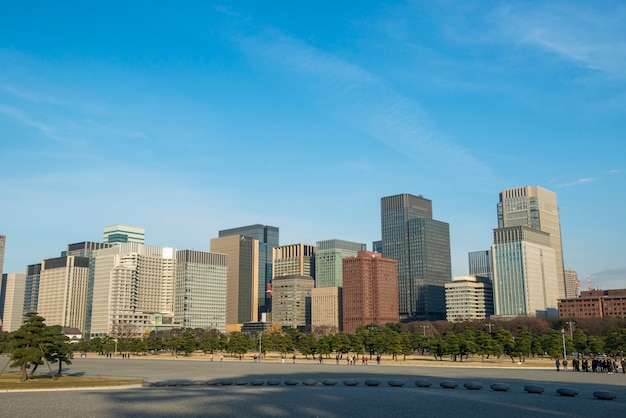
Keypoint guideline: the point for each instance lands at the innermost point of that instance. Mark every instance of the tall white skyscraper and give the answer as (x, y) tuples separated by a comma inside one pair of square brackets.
[(524, 272), (132, 290), (536, 208), (201, 280), (3, 242), (62, 298), (13, 311)]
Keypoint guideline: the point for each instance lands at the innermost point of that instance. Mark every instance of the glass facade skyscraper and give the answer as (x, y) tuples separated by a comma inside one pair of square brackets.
[(536, 208), (524, 272), (268, 237), (421, 245), (328, 256)]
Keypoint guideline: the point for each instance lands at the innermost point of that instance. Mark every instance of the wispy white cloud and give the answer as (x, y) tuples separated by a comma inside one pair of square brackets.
[(589, 34), (577, 182), (20, 117), (364, 100)]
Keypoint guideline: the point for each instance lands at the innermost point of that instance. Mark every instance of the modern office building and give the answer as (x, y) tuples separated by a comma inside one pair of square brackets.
[(201, 280), (480, 263), (326, 310), (294, 260), (572, 285), (469, 298), (31, 287), (370, 290), (119, 234), (328, 260), (536, 208), (594, 304), (133, 290), (524, 272), (268, 237), (12, 314), (421, 245), (291, 303), (243, 278), (62, 298), (84, 249), (377, 246), (3, 243)]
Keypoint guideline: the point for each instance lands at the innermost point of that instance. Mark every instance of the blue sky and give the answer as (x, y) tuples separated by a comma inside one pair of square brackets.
[(190, 117)]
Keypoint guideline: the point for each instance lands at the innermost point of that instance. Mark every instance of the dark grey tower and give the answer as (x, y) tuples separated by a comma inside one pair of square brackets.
[(268, 239), (422, 247)]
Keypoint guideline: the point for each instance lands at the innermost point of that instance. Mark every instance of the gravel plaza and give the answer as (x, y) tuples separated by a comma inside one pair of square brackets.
[(192, 388)]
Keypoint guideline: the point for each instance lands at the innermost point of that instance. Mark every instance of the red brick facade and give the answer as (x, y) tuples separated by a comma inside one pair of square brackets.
[(594, 304), (370, 290)]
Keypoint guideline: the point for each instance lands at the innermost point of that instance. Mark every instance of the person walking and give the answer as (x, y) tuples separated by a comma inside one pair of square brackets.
[(558, 365)]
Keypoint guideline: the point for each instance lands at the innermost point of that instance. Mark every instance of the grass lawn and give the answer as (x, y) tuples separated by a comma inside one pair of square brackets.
[(11, 381)]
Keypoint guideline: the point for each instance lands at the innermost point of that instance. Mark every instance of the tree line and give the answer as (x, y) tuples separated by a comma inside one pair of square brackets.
[(517, 339)]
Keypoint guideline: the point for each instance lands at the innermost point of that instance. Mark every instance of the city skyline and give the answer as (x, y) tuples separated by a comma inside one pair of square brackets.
[(189, 120)]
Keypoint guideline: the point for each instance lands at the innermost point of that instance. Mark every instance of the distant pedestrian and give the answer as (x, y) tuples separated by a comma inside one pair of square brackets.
[(294, 359), (378, 359), (221, 358), (558, 365), (564, 365)]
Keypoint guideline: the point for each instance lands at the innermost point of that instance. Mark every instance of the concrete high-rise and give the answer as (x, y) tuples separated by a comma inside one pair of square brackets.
[(201, 280), (119, 234), (243, 278), (469, 298), (12, 313), (421, 245), (291, 306), (370, 290), (524, 271), (294, 259), (536, 208), (572, 285), (480, 263), (3, 243), (62, 298), (328, 256), (133, 290), (326, 310), (268, 237), (31, 288)]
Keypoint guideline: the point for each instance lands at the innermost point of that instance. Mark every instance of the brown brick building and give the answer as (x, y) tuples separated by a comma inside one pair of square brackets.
[(370, 290), (594, 304)]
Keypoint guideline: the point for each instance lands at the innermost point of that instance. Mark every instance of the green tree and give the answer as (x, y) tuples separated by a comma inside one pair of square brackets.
[(307, 344), (56, 347), (506, 341), (552, 343), (239, 343), (580, 342), (616, 341), (25, 344), (523, 342)]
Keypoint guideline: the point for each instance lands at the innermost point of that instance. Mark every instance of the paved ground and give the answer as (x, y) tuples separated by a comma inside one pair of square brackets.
[(319, 400)]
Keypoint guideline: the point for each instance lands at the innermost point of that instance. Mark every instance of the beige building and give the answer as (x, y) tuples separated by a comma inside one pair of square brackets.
[(572, 285), (133, 290), (3, 242), (469, 298), (63, 291), (524, 272), (326, 310), (294, 259), (291, 300), (242, 300), (14, 285), (536, 208)]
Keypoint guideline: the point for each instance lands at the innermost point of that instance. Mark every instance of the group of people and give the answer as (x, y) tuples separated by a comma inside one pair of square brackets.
[(595, 365)]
